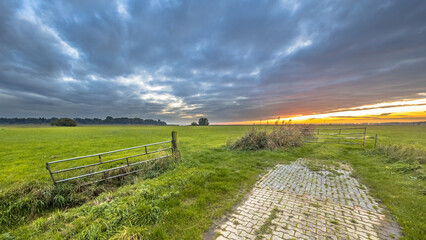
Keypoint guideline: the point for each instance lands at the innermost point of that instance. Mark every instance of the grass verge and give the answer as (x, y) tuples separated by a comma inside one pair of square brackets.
[(183, 201)]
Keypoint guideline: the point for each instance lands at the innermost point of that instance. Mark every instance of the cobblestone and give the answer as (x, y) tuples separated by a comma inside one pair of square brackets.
[(325, 204)]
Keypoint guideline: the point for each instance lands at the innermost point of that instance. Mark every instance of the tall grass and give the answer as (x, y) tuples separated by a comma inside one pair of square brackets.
[(402, 153), (30, 201), (404, 159), (280, 136)]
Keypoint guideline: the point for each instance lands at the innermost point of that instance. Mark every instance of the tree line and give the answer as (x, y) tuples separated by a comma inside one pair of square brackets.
[(107, 120)]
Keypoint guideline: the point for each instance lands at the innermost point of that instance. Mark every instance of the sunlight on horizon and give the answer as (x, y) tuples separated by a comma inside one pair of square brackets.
[(399, 111)]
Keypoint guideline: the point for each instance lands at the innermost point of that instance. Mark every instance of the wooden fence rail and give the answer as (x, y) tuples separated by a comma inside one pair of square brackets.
[(337, 135), (127, 165)]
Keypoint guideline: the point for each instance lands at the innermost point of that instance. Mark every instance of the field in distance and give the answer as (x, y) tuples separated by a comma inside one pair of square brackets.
[(182, 202)]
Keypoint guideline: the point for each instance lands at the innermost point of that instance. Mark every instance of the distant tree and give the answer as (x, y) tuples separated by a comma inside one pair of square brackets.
[(203, 122), (109, 120), (194, 124), (66, 122)]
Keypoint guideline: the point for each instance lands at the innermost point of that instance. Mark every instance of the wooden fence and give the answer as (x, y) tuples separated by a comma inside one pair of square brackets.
[(127, 166), (335, 135)]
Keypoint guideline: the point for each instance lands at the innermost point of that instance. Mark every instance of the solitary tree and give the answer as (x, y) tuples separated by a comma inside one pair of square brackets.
[(203, 122), (194, 124)]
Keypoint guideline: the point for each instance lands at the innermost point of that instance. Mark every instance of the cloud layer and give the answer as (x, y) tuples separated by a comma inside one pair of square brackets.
[(227, 60)]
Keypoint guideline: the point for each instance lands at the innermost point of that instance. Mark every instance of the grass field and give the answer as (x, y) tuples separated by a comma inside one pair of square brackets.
[(182, 202)]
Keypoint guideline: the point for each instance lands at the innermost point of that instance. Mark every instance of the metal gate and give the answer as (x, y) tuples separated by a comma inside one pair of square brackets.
[(351, 135), (124, 162)]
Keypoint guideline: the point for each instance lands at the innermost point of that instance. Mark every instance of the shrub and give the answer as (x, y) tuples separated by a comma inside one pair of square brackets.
[(253, 140), (281, 137), (194, 124), (67, 122), (284, 136)]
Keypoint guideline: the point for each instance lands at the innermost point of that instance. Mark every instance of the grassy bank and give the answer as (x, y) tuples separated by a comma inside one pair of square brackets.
[(182, 202)]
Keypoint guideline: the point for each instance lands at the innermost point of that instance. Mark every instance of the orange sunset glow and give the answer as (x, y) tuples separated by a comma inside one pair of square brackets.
[(413, 110)]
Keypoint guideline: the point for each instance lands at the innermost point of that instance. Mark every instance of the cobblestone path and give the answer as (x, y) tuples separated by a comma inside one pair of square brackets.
[(293, 202)]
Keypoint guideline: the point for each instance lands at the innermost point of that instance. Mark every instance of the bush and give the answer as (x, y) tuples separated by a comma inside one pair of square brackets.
[(281, 137), (67, 122), (254, 139), (284, 136), (194, 124)]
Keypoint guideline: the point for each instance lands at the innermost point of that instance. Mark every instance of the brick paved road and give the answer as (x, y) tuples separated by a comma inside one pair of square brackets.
[(293, 202)]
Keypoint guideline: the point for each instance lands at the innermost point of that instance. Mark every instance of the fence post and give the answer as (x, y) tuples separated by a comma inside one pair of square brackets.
[(340, 134), (363, 142), (174, 144), (375, 141)]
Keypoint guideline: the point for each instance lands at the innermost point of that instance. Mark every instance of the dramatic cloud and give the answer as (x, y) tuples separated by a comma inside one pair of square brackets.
[(227, 60)]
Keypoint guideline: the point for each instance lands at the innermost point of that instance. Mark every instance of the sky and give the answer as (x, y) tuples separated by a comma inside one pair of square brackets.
[(234, 62)]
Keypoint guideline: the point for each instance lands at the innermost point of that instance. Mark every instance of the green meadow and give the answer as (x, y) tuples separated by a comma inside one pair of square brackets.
[(184, 199)]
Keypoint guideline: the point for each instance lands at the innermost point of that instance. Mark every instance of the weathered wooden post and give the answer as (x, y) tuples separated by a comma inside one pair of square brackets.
[(175, 144), (340, 134), (375, 141), (363, 141)]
